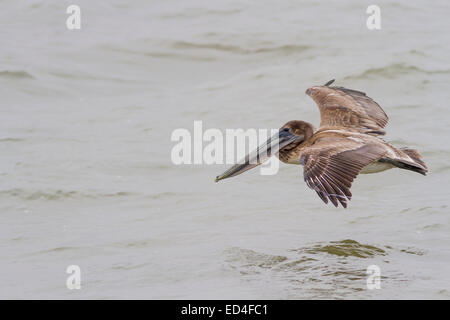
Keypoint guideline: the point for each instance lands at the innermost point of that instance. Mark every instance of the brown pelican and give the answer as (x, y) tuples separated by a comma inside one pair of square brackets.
[(347, 143)]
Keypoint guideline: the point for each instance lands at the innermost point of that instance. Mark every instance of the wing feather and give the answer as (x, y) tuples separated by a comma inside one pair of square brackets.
[(342, 107), (331, 165)]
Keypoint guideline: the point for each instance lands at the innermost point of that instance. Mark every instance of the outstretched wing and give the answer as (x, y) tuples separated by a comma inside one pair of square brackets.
[(341, 107), (332, 163)]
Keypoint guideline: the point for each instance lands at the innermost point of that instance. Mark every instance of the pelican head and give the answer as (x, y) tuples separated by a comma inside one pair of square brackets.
[(289, 136)]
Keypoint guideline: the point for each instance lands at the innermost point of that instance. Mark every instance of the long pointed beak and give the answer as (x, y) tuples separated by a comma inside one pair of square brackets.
[(261, 154)]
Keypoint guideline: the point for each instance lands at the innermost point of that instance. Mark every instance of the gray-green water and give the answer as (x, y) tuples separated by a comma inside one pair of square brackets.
[(85, 170)]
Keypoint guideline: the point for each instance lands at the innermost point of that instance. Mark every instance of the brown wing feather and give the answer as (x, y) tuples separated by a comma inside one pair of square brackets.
[(342, 107), (330, 166)]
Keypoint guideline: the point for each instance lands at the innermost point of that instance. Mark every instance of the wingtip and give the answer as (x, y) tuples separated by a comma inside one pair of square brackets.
[(328, 83)]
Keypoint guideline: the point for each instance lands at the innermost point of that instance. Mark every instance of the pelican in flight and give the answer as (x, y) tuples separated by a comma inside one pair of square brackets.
[(347, 142)]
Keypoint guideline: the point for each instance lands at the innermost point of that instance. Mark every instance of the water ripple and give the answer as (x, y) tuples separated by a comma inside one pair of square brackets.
[(393, 71), (316, 270), (283, 49), (17, 74), (57, 194)]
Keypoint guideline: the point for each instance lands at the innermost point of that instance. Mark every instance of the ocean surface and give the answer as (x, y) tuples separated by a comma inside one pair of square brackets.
[(86, 176)]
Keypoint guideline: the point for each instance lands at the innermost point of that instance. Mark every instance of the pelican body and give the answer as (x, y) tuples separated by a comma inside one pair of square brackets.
[(347, 142)]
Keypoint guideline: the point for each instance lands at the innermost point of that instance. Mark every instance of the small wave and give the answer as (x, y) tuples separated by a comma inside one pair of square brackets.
[(19, 74), (72, 194), (11, 139), (60, 249), (18, 239), (182, 48), (128, 266), (163, 195), (250, 258), (417, 52), (74, 76), (347, 248), (393, 71), (135, 244), (413, 251), (432, 209), (434, 226), (57, 194), (162, 54), (193, 13), (68, 250), (284, 49)]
